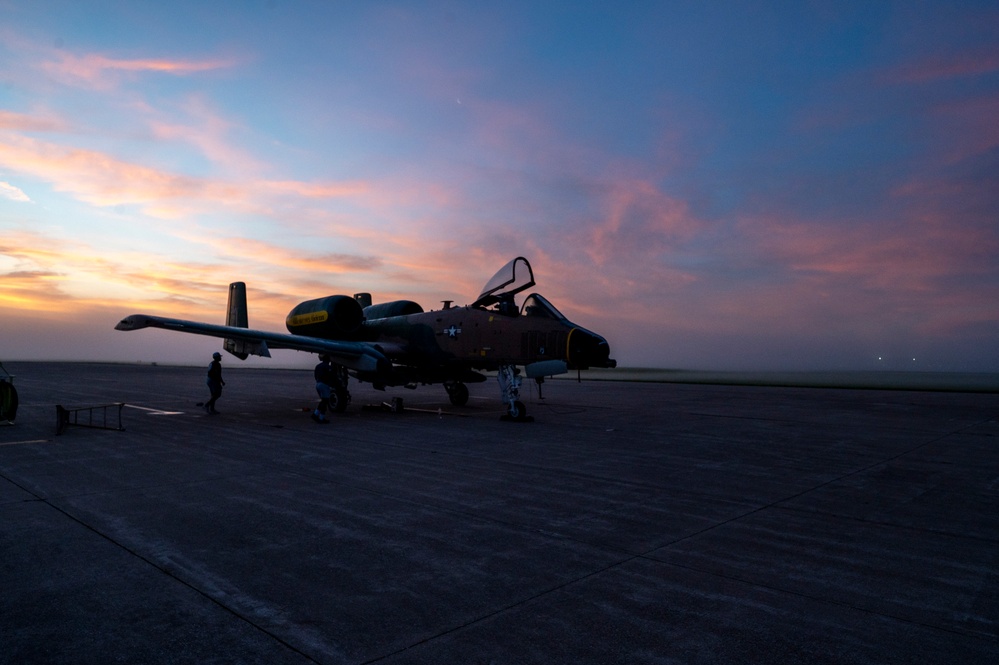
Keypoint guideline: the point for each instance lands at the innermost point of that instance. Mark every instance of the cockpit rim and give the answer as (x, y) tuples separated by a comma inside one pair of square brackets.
[(549, 310)]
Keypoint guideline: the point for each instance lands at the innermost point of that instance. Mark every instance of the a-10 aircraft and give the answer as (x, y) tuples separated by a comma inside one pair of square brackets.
[(399, 344)]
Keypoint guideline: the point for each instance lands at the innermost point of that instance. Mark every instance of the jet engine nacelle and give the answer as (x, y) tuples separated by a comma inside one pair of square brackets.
[(332, 317), (395, 308)]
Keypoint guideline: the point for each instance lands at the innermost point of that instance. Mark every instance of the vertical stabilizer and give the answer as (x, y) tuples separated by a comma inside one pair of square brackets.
[(237, 318), (237, 306)]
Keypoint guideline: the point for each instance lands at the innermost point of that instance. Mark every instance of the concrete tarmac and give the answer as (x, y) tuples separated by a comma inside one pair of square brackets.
[(629, 523)]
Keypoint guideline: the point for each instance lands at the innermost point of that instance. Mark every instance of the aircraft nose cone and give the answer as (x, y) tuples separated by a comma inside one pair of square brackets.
[(587, 349)]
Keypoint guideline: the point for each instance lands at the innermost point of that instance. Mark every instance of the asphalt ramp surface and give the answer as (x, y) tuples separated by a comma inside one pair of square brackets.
[(628, 523)]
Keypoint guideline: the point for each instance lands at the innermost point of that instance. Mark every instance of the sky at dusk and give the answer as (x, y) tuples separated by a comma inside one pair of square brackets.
[(733, 185)]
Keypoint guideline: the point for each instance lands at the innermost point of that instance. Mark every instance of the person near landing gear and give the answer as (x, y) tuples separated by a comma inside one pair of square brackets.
[(215, 382), (325, 379)]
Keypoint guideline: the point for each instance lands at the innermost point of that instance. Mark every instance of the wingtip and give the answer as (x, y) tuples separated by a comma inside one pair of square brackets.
[(133, 322)]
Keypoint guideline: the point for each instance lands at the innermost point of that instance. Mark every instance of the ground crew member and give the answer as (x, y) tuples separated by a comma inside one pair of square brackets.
[(214, 382), (325, 379)]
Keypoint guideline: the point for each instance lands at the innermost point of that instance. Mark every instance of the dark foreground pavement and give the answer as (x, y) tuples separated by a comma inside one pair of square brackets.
[(631, 523)]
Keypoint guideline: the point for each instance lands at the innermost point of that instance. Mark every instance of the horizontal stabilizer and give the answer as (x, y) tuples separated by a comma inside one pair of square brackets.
[(241, 348)]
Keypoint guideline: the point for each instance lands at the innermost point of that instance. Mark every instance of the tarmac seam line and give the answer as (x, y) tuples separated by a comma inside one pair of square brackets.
[(803, 492), (504, 609), (162, 570), (881, 523), (649, 555), (851, 606)]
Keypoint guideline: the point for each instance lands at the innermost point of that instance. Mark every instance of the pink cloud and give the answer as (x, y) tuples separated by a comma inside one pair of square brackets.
[(50, 275), (969, 127), (944, 66), (906, 256), (312, 190), (9, 191), (103, 180), (639, 220), (20, 122), (877, 274), (257, 251), (94, 177), (100, 71), (207, 132)]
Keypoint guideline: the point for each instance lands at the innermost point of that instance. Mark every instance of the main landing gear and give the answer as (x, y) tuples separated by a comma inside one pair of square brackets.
[(339, 395), (457, 392)]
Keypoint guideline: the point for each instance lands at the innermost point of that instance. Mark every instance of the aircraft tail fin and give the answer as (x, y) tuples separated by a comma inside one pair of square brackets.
[(236, 317)]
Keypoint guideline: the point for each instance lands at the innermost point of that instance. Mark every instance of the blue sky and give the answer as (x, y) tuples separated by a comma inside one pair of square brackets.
[(766, 185)]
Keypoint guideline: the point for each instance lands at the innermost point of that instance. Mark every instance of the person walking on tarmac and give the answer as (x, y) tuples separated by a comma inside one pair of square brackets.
[(214, 382), (325, 379)]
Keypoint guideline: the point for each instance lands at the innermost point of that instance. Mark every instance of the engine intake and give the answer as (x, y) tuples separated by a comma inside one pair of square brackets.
[(332, 317)]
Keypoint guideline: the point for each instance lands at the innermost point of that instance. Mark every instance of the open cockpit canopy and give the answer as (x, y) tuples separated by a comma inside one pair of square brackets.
[(511, 279)]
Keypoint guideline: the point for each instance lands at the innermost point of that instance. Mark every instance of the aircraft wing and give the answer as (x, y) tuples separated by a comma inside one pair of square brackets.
[(359, 356)]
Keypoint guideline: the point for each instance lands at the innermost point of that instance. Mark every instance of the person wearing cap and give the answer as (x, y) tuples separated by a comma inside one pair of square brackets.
[(325, 378), (214, 382)]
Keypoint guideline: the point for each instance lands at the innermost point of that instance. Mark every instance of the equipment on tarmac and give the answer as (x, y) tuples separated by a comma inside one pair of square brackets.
[(8, 398)]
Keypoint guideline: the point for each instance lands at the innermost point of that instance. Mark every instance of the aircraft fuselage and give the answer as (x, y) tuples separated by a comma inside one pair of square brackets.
[(484, 339)]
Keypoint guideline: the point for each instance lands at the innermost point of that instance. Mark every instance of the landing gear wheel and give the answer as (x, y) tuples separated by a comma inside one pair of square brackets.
[(339, 399), (457, 393), (517, 411)]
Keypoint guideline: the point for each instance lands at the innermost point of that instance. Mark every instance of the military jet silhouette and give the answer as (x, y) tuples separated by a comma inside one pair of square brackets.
[(397, 343)]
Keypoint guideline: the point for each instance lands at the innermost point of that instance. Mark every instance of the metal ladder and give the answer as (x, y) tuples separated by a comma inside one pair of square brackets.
[(66, 417)]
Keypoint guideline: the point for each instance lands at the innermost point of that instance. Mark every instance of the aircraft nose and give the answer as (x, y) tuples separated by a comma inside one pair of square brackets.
[(585, 349)]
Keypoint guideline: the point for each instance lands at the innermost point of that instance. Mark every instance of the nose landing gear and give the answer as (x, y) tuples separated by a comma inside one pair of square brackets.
[(509, 380)]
